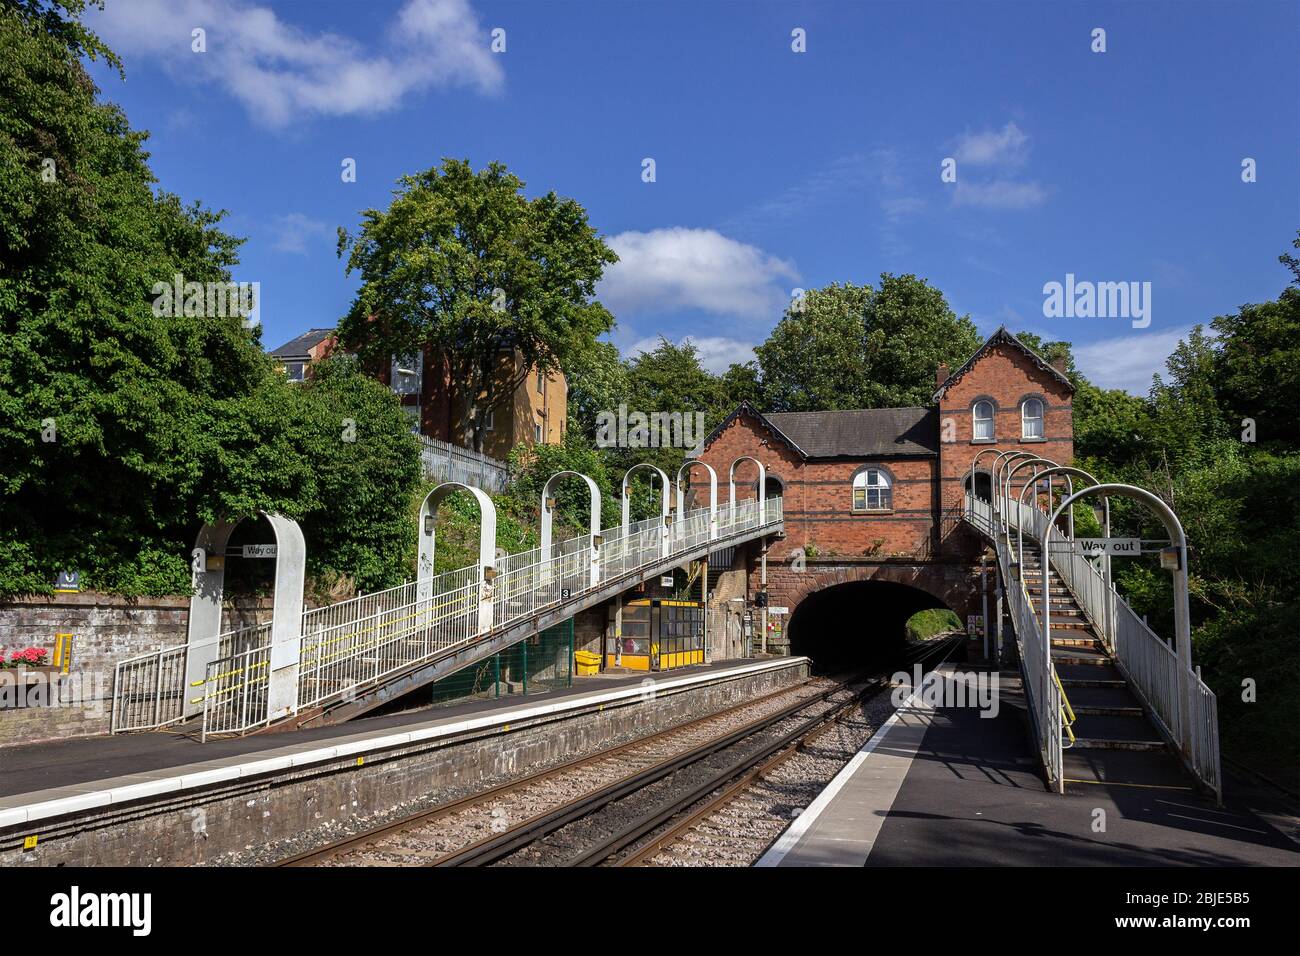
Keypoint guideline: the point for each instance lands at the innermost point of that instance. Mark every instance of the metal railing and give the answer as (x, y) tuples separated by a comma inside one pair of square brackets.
[(149, 690), (442, 461), (352, 645), (1144, 659), (1041, 684)]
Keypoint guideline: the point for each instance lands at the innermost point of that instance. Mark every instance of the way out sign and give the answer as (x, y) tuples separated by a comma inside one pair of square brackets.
[(1115, 547), (258, 551)]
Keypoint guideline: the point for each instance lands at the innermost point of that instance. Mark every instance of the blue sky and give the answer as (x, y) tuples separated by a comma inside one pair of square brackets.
[(775, 170)]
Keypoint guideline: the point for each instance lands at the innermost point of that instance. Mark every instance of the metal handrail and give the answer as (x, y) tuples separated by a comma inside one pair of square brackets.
[(363, 640)]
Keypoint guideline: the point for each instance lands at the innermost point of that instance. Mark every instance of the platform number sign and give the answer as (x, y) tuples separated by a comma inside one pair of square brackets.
[(565, 594), (67, 582)]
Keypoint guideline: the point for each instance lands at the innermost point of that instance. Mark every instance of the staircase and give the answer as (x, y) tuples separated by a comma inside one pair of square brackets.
[(1115, 743)]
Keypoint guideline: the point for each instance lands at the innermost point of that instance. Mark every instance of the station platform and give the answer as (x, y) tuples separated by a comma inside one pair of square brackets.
[(39, 781), (945, 787)]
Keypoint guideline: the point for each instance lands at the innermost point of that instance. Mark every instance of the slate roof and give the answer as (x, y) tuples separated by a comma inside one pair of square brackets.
[(298, 347), (854, 433), (861, 433)]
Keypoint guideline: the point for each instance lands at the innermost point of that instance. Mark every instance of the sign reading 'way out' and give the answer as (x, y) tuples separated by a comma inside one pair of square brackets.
[(1115, 547), (258, 551)]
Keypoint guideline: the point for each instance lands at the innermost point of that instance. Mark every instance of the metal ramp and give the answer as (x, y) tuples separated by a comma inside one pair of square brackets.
[(1101, 686), (356, 655)]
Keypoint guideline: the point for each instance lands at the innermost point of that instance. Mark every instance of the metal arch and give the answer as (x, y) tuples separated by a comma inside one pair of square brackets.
[(997, 469), (973, 462), (762, 485), (548, 511), (487, 536), (286, 623), (627, 492), (1037, 477), (713, 494), (1182, 615), (1066, 470), (548, 518)]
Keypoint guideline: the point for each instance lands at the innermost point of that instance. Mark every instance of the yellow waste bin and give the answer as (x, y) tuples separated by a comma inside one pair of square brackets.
[(586, 663)]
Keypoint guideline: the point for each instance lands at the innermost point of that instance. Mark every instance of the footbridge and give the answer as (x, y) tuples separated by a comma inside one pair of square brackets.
[(1110, 701), (329, 664)]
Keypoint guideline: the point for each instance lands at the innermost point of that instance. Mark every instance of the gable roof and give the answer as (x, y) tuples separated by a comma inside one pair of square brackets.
[(300, 346), (1001, 337), (862, 432), (851, 433)]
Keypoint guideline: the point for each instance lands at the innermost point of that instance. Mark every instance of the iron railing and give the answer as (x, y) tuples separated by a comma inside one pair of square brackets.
[(1144, 659), (352, 645)]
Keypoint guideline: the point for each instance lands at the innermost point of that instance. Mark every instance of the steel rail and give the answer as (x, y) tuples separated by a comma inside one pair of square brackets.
[(490, 849), (750, 769), (347, 844)]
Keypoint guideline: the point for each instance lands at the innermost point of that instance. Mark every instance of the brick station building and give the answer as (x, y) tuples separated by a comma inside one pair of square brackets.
[(872, 499)]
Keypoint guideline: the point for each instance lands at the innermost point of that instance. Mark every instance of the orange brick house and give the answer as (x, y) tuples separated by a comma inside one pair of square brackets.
[(872, 496)]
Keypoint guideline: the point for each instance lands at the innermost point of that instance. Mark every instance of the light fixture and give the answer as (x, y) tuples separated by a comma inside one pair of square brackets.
[(489, 573), (1171, 558), (428, 524)]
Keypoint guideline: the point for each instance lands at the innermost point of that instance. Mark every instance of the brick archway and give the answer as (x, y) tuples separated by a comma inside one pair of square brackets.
[(954, 585)]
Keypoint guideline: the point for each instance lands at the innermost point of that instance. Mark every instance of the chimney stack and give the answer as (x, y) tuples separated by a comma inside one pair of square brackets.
[(941, 375), (1058, 363)]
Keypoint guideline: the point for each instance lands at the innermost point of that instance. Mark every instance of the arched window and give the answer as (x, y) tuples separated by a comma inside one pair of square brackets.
[(872, 490), (982, 421), (1031, 418)]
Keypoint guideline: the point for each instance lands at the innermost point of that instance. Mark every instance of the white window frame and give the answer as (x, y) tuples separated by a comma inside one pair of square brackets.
[(873, 490), (300, 367), (539, 432), (976, 420), (1026, 419)]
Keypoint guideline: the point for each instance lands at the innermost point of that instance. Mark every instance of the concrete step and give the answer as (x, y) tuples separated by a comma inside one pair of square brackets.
[(1080, 657), (1090, 642), (1089, 675), (1087, 768), (1119, 731)]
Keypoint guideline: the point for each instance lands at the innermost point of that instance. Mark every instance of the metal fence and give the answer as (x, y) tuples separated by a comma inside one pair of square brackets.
[(446, 462), (352, 645), (1145, 660)]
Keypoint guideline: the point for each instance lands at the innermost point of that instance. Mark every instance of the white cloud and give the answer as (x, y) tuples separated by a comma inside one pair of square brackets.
[(1008, 146), (999, 194), (281, 73), (294, 231), (697, 269), (1127, 361), (716, 352)]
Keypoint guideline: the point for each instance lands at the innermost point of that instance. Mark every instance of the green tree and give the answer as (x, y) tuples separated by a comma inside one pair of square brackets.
[(910, 331), (850, 346), (462, 261), (815, 357), (123, 426)]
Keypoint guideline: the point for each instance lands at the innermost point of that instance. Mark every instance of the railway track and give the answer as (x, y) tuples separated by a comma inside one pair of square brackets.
[(619, 806), (431, 834)]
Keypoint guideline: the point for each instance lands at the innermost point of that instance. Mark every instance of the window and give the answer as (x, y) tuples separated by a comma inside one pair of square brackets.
[(1031, 418), (406, 373), (490, 420), (871, 491), (541, 383), (295, 371), (982, 420), (538, 432)]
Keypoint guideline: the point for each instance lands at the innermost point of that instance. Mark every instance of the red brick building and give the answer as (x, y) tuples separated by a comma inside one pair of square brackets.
[(872, 497)]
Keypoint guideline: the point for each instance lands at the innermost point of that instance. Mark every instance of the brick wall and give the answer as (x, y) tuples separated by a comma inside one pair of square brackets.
[(818, 497), (107, 629), (1005, 376)]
